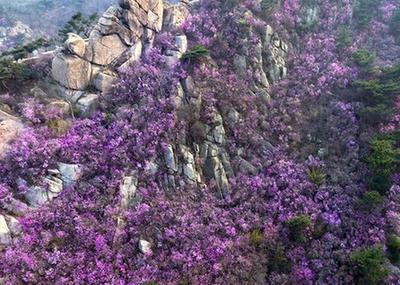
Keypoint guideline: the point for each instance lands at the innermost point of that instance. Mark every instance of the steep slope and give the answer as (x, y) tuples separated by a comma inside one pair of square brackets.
[(208, 142)]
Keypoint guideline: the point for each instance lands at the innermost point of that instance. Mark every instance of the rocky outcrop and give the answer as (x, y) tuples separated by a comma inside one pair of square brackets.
[(65, 175), (116, 40), (9, 129), (121, 36)]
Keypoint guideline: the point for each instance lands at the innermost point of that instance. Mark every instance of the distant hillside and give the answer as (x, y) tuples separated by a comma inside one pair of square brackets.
[(48, 16)]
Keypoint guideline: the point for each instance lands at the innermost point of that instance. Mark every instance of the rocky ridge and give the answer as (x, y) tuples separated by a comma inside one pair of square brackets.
[(86, 69)]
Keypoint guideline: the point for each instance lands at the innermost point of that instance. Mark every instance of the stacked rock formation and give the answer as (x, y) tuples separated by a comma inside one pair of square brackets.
[(123, 33)]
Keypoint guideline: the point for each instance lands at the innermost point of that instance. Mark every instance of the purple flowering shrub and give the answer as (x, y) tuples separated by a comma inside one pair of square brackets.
[(293, 221)]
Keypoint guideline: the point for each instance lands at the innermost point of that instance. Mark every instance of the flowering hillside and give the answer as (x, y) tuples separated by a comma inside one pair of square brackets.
[(207, 142)]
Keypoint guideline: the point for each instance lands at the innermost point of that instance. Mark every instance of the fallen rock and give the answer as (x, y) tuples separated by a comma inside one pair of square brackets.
[(14, 225)]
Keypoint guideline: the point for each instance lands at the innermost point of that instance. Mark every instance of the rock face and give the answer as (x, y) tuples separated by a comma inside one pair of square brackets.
[(9, 129), (116, 40), (120, 38), (71, 71), (75, 44)]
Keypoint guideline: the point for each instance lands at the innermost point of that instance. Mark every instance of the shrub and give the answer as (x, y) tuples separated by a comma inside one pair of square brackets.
[(384, 157), (278, 260), (78, 24), (317, 176), (297, 227), (364, 59), (364, 11), (394, 25), (10, 70), (368, 265), (256, 237), (393, 244), (196, 52), (343, 39), (380, 182), (22, 51), (371, 200)]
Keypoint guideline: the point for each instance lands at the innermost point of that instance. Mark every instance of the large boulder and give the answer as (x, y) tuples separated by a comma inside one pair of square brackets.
[(71, 71), (104, 50), (75, 44)]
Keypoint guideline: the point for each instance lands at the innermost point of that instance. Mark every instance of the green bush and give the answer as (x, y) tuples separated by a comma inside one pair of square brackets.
[(79, 24), (394, 25), (278, 262), (10, 70), (195, 52), (297, 227), (393, 245), (371, 200), (380, 182), (343, 38), (256, 237), (378, 96), (317, 176), (384, 157), (368, 266), (364, 11), (23, 51), (364, 59)]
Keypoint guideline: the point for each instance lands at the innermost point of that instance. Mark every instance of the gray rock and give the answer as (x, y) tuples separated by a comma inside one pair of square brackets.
[(134, 55), (240, 63), (88, 104), (174, 16), (170, 158), (110, 23), (36, 196), (5, 234), (55, 186), (70, 173), (181, 43), (188, 86), (71, 71), (13, 225), (155, 15), (104, 82), (219, 134), (145, 246), (246, 167), (127, 191)]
